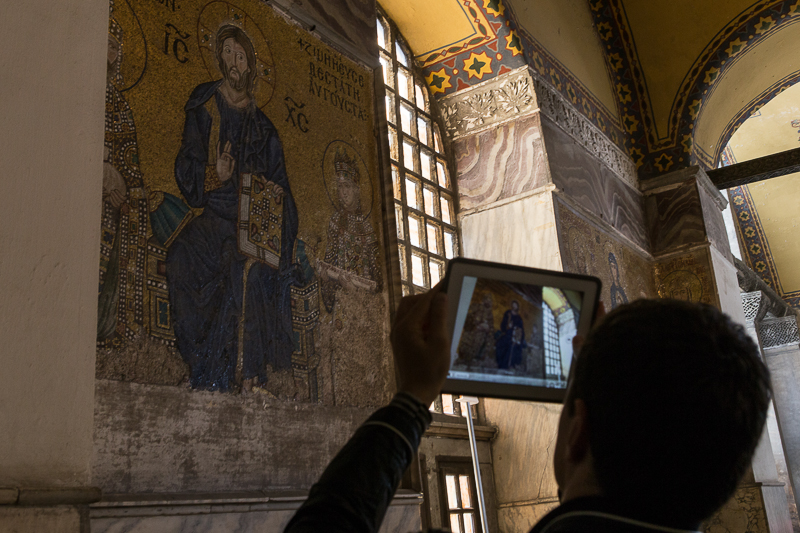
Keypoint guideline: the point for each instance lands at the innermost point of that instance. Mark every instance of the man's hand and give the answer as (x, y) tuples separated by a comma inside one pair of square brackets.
[(225, 162), (578, 340), (421, 345)]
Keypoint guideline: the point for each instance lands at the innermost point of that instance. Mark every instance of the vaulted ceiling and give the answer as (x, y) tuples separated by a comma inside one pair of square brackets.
[(678, 76)]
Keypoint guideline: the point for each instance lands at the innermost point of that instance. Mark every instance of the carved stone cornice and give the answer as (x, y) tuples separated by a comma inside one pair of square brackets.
[(49, 496), (450, 430), (522, 91), (489, 103), (562, 112)]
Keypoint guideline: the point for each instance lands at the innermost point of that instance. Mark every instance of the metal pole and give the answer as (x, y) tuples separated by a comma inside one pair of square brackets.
[(466, 403)]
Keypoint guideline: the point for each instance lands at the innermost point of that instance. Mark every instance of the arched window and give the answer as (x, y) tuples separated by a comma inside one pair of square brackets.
[(552, 348), (424, 196)]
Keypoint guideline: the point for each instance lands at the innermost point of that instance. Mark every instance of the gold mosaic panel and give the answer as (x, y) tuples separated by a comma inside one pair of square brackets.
[(321, 104), (586, 249)]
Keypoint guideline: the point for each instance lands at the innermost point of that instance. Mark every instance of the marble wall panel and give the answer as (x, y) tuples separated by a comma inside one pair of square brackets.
[(399, 519), (349, 23), (522, 518), (727, 286), (743, 512), (523, 450), (686, 277), (528, 235), (15, 519), (711, 201), (784, 364), (592, 185), (675, 218), (501, 162), (151, 438), (588, 249)]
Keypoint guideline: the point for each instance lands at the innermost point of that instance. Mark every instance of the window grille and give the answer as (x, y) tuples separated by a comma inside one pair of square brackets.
[(458, 497), (775, 332), (552, 348), (424, 195)]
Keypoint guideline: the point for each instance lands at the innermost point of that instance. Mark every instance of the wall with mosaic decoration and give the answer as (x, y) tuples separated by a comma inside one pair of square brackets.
[(294, 231), (765, 212), (626, 272), (242, 296)]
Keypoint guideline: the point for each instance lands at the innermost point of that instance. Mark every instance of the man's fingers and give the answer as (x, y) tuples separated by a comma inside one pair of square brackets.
[(577, 344), (228, 147), (600, 313), (438, 313)]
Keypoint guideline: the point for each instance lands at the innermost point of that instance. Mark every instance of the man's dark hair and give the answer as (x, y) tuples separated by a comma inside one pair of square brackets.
[(229, 31), (677, 396)]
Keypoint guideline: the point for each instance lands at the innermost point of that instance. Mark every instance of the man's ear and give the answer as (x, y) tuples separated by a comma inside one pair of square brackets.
[(578, 433)]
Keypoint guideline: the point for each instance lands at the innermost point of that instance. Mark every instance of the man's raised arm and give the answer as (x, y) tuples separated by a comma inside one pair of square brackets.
[(358, 485)]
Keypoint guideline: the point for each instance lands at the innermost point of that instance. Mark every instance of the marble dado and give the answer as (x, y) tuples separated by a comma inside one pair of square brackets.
[(522, 91), (258, 512)]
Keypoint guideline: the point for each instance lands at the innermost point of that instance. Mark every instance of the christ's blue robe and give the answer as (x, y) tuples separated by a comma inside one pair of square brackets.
[(507, 352), (204, 266)]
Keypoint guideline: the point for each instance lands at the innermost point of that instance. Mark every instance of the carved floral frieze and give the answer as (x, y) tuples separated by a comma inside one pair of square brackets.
[(522, 91)]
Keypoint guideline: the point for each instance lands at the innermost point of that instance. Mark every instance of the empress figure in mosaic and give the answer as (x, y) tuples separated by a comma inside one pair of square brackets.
[(124, 226), (351, 255), (231, 311)]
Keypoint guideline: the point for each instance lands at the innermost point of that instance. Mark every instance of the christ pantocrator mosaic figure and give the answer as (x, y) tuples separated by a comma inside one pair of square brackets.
[(232, 311)]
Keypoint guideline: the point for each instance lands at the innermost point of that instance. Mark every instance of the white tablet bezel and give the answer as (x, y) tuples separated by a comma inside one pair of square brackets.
[(459, 268)]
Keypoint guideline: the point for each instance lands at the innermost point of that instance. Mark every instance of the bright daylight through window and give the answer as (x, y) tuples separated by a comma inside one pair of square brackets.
[(423, 192)]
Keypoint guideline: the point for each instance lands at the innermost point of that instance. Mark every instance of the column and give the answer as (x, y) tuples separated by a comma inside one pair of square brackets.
[(780, 344), (541, 186), (693, 262)]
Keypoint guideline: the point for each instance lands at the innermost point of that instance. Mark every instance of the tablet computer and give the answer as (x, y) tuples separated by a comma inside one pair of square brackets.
[(512, 328)]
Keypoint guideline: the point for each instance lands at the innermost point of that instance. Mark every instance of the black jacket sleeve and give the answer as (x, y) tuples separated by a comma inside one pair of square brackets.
[(358, 485)]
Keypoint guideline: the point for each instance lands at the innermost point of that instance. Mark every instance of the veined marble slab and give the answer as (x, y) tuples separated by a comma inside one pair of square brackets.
[(519, 232), (582, 177), (501, 163)]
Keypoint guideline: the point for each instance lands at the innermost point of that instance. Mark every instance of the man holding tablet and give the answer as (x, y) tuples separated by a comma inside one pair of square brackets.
[(665, 405)]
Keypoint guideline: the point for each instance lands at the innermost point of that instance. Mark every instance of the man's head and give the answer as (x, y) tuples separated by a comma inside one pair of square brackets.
[(236, 58), (666, 405)]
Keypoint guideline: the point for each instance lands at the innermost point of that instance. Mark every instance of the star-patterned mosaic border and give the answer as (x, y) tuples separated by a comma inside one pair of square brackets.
[(484, 33), (512, 47), (652, 155), (751, 109)]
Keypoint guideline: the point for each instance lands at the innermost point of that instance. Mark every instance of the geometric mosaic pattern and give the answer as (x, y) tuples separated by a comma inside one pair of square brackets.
[(755, 247), (499, 46)]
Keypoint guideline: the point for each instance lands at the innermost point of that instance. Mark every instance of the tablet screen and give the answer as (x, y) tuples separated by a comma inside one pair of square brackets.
[(514, 333)]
